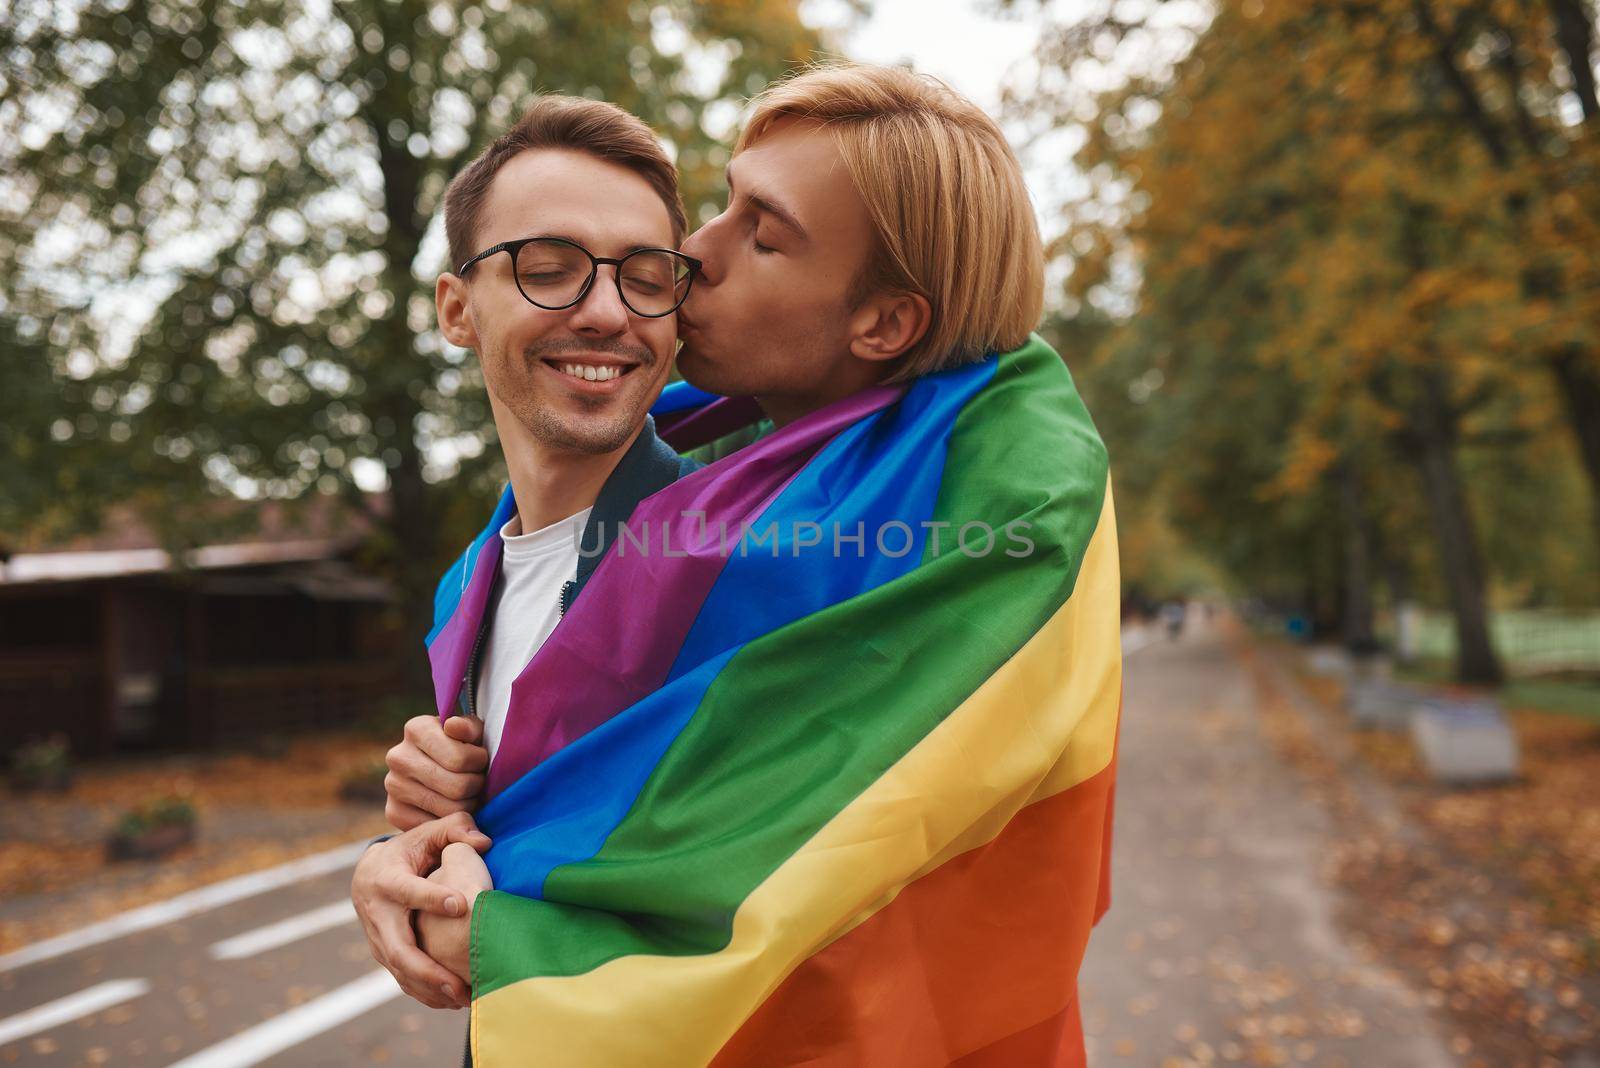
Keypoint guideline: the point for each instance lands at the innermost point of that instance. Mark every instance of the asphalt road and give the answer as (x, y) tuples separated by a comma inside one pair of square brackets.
[(1223, 943), (279, 977)]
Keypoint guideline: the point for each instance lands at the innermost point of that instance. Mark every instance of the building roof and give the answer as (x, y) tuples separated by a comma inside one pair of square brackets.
[(310, 528)]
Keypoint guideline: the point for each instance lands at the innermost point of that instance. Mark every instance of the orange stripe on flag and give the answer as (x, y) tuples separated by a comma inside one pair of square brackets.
[(1057, 1042), (976, 962)]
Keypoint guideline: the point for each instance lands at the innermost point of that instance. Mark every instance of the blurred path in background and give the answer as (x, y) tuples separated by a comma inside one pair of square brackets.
[(1221, 944)]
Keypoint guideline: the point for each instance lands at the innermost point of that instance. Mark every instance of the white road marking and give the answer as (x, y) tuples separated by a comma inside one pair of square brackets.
[(271, 1037), (57, 1012), (283, 932), (206, 897)]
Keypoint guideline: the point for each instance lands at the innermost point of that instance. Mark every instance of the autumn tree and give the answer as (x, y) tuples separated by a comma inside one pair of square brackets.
[(1335, 273)]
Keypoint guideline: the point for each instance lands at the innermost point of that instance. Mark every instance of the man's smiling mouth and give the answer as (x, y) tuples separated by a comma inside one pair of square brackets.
[(590, 372)]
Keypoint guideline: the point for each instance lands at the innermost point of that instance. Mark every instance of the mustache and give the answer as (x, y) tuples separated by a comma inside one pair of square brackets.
[(610, 346)]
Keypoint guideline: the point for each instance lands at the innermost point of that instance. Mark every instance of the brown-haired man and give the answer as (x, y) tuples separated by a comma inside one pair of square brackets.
[(565, 284)]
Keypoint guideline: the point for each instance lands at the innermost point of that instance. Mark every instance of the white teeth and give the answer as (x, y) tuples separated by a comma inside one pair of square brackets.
[(589, 372)]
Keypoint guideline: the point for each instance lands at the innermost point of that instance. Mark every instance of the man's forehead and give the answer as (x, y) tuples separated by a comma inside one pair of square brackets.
[(600, 204), (787, 142), (797, 165)]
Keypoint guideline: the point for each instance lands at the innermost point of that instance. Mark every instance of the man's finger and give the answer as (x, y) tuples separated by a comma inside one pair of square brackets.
[(418, 974), (389, 933), (408, 791), (417, 726), (454, 755), (464, 786), (426, 843), (422, 846), (462, 829), (423, 977), (415, 892), (409, 762), (465, 729), (461, 867), (455, 745), (458, 749), (403, 817)]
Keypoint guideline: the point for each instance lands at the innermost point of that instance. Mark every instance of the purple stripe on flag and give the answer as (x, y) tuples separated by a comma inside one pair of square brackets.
[(619, 639), (699, 426), (452, 646)]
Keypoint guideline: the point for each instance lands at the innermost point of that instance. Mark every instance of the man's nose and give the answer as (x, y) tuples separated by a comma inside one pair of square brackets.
[(601, 310), (702, 246)]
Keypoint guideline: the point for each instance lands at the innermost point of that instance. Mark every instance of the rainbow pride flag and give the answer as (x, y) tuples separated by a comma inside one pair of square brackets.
[(818, 768)]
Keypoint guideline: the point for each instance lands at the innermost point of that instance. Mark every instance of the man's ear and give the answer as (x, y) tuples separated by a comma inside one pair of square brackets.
[(455, 317), (887, 324)]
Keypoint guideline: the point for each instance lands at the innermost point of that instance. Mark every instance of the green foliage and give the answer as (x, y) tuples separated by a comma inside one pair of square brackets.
[(169, 811), (42, 759), (226, 220)]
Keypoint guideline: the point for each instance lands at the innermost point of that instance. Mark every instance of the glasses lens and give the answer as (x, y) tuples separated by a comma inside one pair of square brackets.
[(653, 282), (552, 273)]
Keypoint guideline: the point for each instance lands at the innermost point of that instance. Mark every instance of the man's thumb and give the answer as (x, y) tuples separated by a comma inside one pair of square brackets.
[(464, 729), (426, 841)]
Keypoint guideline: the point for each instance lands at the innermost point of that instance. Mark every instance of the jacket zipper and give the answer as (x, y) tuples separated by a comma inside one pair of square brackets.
[(471, 681), (472, 672)]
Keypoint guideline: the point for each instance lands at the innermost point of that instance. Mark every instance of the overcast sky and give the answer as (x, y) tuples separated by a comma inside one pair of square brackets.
[(959, 41), (969, 45)]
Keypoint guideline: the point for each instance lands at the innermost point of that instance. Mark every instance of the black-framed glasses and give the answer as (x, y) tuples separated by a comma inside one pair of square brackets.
[(553, 273)]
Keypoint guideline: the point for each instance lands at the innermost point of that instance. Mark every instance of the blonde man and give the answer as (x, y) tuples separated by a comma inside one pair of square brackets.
[(877, 229)]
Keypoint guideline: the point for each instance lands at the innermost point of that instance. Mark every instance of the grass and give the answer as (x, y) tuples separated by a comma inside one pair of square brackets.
[(1568, 695), (1571, 697), (1526, 639)]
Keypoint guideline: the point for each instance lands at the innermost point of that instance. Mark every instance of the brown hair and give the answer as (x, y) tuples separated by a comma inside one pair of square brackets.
[(945, 193), (601, 129)]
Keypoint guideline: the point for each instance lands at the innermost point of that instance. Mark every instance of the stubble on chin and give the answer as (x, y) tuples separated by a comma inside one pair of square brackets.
[(591, 433)]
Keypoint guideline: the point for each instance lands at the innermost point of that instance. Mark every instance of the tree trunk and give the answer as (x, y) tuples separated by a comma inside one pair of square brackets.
[(415, 532), (1575, 35), (1434, 427), (1580, 380), (1396, 573), (414, 524), (1357, 618), (413, 520), (1580, 387)]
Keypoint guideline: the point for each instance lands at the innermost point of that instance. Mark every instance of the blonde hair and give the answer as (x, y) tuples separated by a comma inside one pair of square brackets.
[(946, 197)]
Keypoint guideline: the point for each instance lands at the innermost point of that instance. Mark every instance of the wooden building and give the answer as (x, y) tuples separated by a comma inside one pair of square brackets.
[(120, 644)]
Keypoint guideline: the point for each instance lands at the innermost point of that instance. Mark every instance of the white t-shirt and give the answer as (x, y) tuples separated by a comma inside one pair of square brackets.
[(533, 568)]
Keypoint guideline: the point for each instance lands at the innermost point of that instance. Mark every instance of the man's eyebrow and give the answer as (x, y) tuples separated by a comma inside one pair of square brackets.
[(772, 208), (575, 241)]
